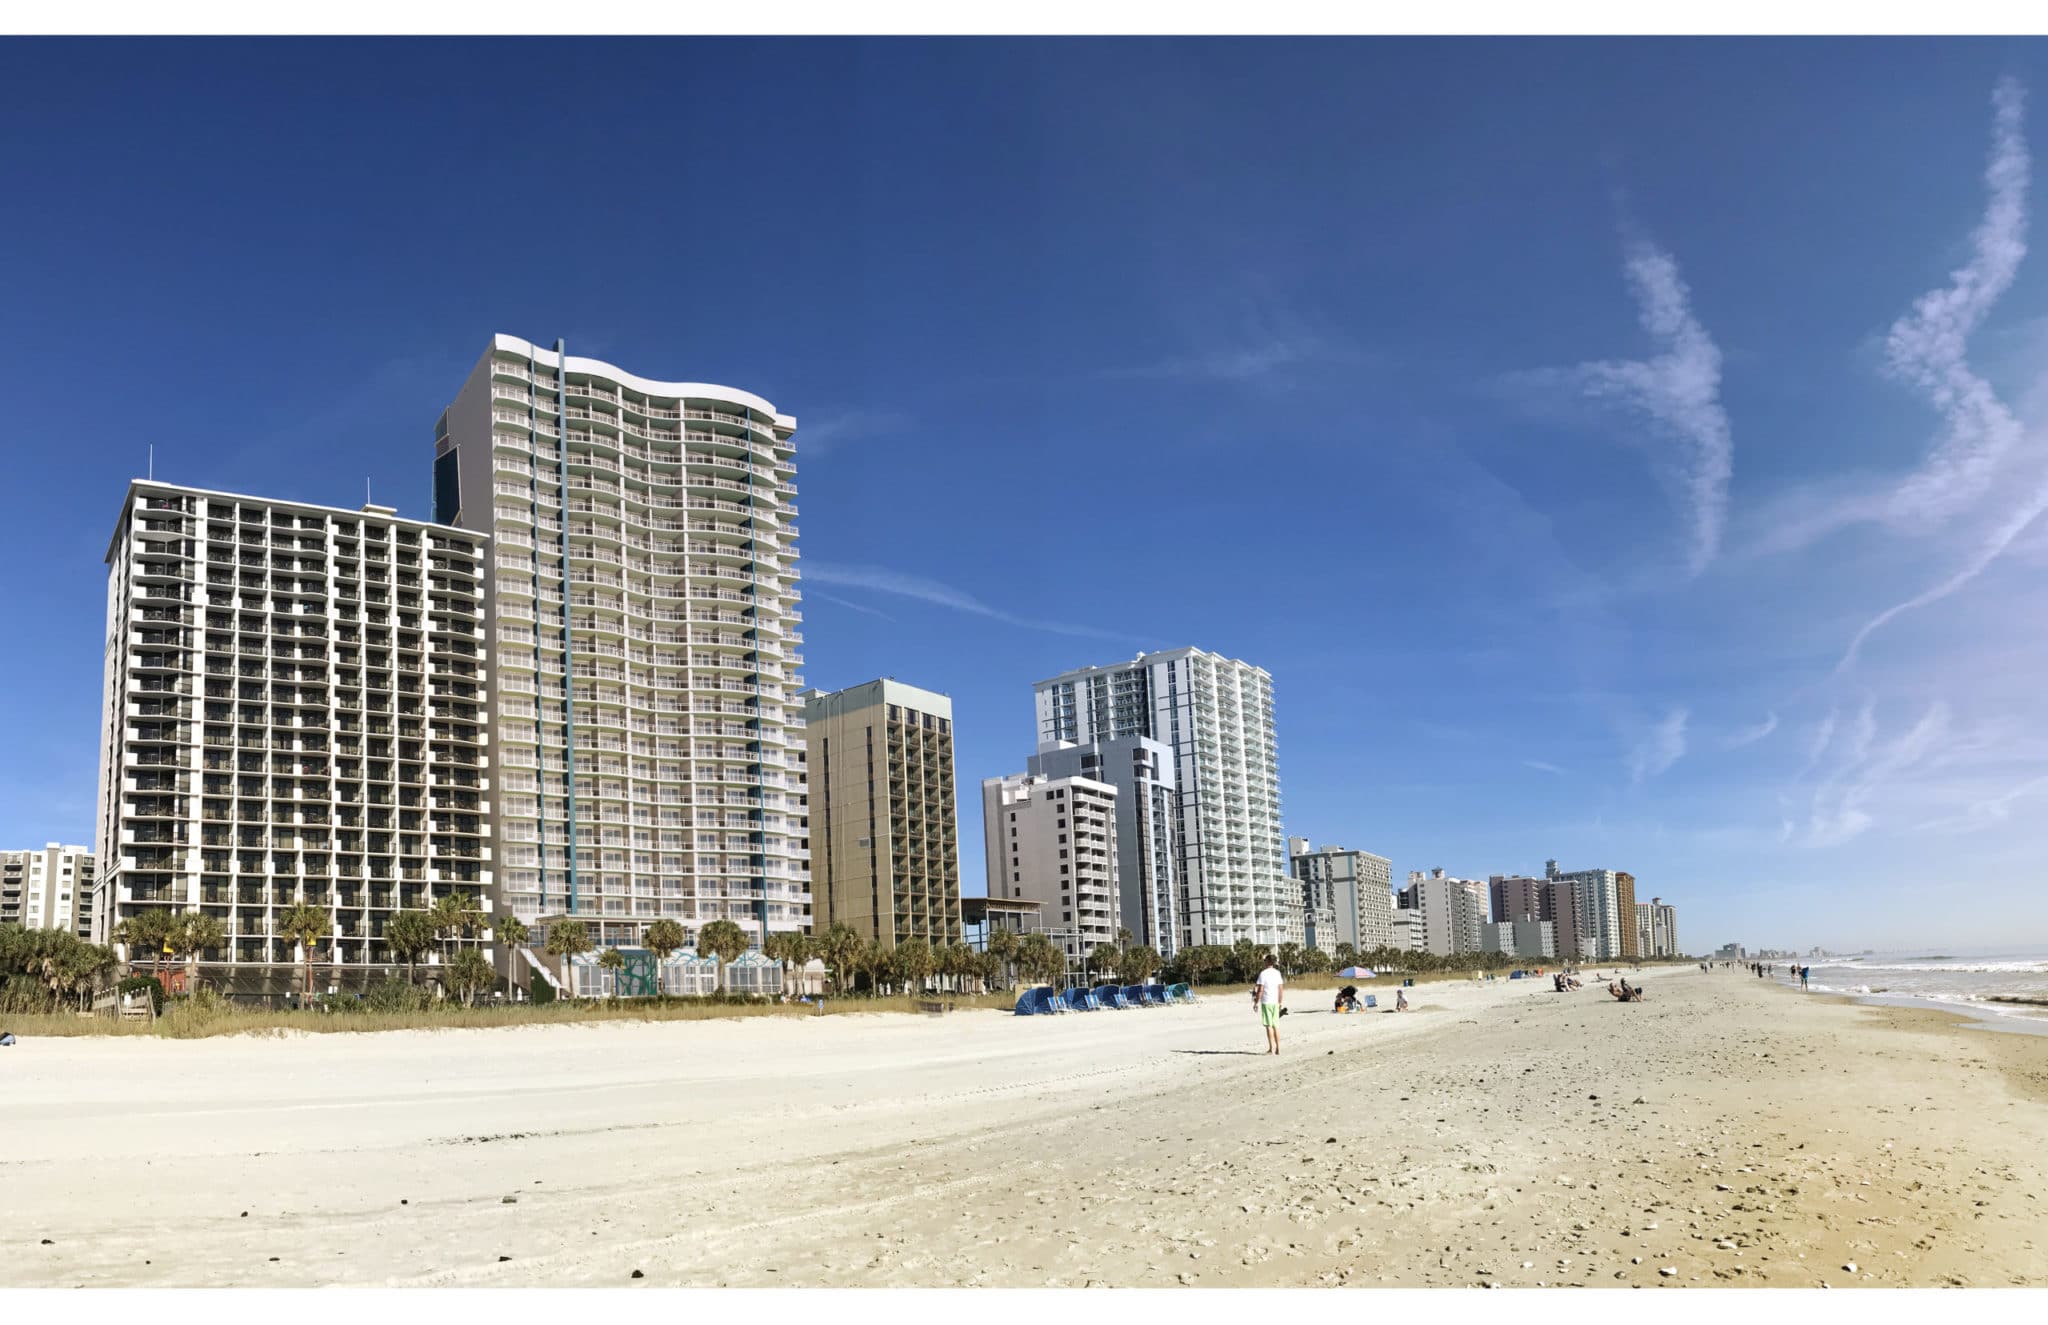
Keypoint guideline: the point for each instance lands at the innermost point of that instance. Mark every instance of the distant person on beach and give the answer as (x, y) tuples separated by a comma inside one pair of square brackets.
[(1347, 999), (1400, 1000), (1271, 995), (1804, 973)]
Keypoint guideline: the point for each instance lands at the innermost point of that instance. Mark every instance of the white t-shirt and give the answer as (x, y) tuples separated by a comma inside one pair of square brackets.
[(1270, 981)]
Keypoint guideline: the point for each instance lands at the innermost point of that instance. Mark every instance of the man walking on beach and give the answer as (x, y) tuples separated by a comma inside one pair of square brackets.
[(1271, 995)]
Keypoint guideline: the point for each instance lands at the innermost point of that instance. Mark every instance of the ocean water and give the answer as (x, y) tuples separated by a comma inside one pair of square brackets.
[(1973, 982)]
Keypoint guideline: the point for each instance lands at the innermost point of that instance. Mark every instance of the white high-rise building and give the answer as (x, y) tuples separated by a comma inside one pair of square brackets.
[(1453, 911), (48, 888), (1596, 901), (1216, 715), (1347, 896), (1141, 769), (294, 712), (1656, 928), (642, 601), (1053, 841)]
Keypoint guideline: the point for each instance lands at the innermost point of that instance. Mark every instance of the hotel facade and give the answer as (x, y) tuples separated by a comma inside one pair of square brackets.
[(294, 711), (1216, 715), (642, 605)]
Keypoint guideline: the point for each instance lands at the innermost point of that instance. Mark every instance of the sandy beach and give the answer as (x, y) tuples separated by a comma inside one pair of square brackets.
[(1728, 1131)]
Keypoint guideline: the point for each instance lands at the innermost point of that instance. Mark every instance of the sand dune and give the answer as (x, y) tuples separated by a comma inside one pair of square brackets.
[(1728, 1131)]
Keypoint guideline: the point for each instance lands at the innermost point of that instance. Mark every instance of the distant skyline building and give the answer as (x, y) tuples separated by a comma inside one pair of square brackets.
[(1142, 771), (1054, 841), (48, 888), (294, 711), (1216, 715), (1596, 912), (885, 841), (1625, 913), (1452, 910), (1532, 939), (1347, 896), (1657, 928), (643, 602), (1406, 928)]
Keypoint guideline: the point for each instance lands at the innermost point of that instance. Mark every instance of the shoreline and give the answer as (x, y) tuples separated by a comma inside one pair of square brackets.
[(1500, 1133)]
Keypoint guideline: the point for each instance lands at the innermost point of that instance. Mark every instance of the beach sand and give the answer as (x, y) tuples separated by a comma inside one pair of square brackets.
[(1728, 1131)]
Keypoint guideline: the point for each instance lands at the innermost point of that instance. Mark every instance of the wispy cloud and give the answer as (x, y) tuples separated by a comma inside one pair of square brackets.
[(1659, 748), (1677, 391), (1239, 364), (833, 430), (1929, 348), (878, 579), (1987, 812), (1542, 767), (857, 607), (1751, 735), (1839, 811)]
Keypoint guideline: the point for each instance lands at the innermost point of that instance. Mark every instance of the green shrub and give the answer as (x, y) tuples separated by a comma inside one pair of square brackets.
[(540, 991), (136, 983), (190, 1016), (396, 996)]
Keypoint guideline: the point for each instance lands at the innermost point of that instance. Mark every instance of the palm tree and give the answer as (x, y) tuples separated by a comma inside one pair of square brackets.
[(411, 935), (1108, 957), (914, 962), (568, 939), (511, 934), (880, 961), (725, 940), (1002, 945), (791, 947), (1138, 963), (840, 947), (454, 914), (305, 924), (611, 959), (470, 972), (662, 938), (143, 933), (191, 934)]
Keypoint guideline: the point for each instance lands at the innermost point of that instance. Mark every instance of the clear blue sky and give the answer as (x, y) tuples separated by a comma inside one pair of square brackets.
[(1548, 418)]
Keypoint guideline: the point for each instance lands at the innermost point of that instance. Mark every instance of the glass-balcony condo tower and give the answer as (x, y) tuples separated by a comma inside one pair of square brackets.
[(642, 609)]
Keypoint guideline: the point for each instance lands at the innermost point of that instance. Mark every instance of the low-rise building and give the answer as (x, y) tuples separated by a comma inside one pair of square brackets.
[(1532, 939), (48, 888), (1053, 841), (1346, 896), (1452, 910)]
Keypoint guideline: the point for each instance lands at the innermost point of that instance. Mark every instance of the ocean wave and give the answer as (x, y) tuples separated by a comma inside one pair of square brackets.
[(1979, 968)]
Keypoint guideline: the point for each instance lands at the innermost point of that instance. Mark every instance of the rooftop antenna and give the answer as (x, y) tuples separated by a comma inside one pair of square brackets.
[(152, 462)]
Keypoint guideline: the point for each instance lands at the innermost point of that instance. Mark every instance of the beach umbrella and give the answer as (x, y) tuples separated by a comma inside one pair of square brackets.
[(1355, 973)]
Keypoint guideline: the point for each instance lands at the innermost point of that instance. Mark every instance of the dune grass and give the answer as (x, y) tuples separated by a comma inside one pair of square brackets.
[(185, 1021)]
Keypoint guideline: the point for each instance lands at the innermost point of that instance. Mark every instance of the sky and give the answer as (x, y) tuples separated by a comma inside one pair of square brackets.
[(1628, 453)]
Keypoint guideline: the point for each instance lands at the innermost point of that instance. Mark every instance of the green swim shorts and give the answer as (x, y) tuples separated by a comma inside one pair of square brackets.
[(1269, 1014)]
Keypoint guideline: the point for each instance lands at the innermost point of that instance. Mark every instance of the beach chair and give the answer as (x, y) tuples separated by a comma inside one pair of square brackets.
[(1134, 996), (1371, 1000), (1035, 1002), (1083, 1000), (1157, 993), (1180, 993), (1110, 996)]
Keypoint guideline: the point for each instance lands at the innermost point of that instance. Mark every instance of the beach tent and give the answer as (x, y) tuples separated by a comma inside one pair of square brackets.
[(1355, 973), (1110, 996), (1039, 1000)]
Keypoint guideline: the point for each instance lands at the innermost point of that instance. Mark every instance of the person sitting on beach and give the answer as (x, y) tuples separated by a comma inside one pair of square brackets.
[(1400, 1000), (1347, 999)]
